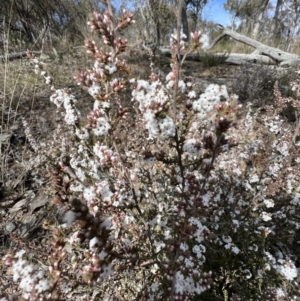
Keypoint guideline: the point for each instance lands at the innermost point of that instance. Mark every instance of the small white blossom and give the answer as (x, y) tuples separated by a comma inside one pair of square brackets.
[(266, 216), (226, 238), (269, 203), (192, 94), (69, 217), (287, 269), (94, 243)]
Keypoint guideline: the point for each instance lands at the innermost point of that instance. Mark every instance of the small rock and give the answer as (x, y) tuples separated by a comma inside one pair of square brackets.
[(10, 227), (14, 127), (4, 138)]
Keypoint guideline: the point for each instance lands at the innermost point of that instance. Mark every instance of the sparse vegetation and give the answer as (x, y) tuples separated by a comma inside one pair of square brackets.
[(211, 60)]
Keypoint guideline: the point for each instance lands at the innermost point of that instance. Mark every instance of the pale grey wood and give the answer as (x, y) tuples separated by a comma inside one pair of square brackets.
[(232, 58), (262, 54), (279, 56)]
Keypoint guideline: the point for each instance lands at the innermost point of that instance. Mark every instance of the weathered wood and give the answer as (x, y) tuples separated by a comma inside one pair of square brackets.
[(262, 54), (279, 56), (231, 59), (241, 58)]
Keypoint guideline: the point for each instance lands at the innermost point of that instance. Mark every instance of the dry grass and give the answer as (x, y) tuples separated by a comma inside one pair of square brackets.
[(23, 94)]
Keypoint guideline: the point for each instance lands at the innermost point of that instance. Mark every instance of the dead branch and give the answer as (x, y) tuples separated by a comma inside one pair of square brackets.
[(14, 56), (279, 56)]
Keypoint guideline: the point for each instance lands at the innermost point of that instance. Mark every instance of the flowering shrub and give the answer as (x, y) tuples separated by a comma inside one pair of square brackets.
[(170, 198)]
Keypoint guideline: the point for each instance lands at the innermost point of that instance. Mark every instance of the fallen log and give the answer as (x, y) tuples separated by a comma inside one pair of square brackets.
[(262, 54), (280, 57), (231, 59)]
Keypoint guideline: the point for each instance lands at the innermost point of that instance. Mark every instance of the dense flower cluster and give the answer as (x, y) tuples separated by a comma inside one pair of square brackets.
[(189, 202), (33, 281)]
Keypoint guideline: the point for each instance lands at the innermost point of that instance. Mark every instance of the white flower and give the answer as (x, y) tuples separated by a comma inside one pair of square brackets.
[(154, 287), (287, 269), (105, 154), (111, 68), (269, 203), (69, 217), (48, 80), (210, 98), (182, 86), (107, 270), (188, 263), (94, 243), (235, 250), (102, 127), (266, 216), (227, 239), (237, 171), (89, 194), (43, 285), (199, 250), (192, 94), (82, 133), (254, 178), (279, 293), (154, 268), (94, 90), (167, 127), (184, 246), (104, 190), (71, 116), (193, 147), (159, 245), (20, 253), (247, 273)]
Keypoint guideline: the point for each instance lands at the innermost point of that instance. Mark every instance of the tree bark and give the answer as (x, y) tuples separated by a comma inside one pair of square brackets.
[(276, 30), (150, 23), (184, 20), (258, 20)]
